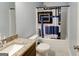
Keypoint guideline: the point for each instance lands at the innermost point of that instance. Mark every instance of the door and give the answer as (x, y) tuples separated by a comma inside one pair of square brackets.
[(72, 27), (77, 48)]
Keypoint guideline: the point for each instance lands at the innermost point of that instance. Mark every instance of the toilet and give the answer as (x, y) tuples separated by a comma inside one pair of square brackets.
[(43, 49)]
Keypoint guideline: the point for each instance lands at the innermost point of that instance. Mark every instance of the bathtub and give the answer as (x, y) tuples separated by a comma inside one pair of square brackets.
[(57, 47)]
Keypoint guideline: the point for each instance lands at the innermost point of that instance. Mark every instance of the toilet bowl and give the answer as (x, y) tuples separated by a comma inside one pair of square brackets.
[(43, 49)]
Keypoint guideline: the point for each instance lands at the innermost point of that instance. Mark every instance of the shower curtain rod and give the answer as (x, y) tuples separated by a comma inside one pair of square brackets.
[(53, 6)]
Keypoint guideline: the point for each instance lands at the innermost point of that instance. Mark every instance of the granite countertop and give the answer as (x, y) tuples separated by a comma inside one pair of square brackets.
[(26, 42)]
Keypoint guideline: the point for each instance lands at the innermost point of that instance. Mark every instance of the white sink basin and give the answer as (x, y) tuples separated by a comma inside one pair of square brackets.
[(12, 49)]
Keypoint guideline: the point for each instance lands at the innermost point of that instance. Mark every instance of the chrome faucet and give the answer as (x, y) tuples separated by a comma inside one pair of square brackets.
[(2, 40), (1, 43)]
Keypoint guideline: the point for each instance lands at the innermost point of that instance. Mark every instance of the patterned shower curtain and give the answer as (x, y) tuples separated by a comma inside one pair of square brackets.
[(49, 23)]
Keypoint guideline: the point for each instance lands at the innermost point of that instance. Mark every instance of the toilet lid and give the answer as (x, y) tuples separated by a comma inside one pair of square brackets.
[(42, 47)]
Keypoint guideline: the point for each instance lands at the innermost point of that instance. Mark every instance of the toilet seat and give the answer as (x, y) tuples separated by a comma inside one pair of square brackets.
[(43, 48)]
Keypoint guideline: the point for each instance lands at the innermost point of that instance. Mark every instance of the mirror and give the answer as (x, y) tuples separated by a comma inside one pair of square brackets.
[(7, 19)]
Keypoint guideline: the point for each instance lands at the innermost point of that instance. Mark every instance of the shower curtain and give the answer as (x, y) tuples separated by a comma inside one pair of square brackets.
[(49, 23)]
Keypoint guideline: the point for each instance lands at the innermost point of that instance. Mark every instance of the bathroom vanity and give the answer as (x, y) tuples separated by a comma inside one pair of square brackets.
[(20, 47)]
